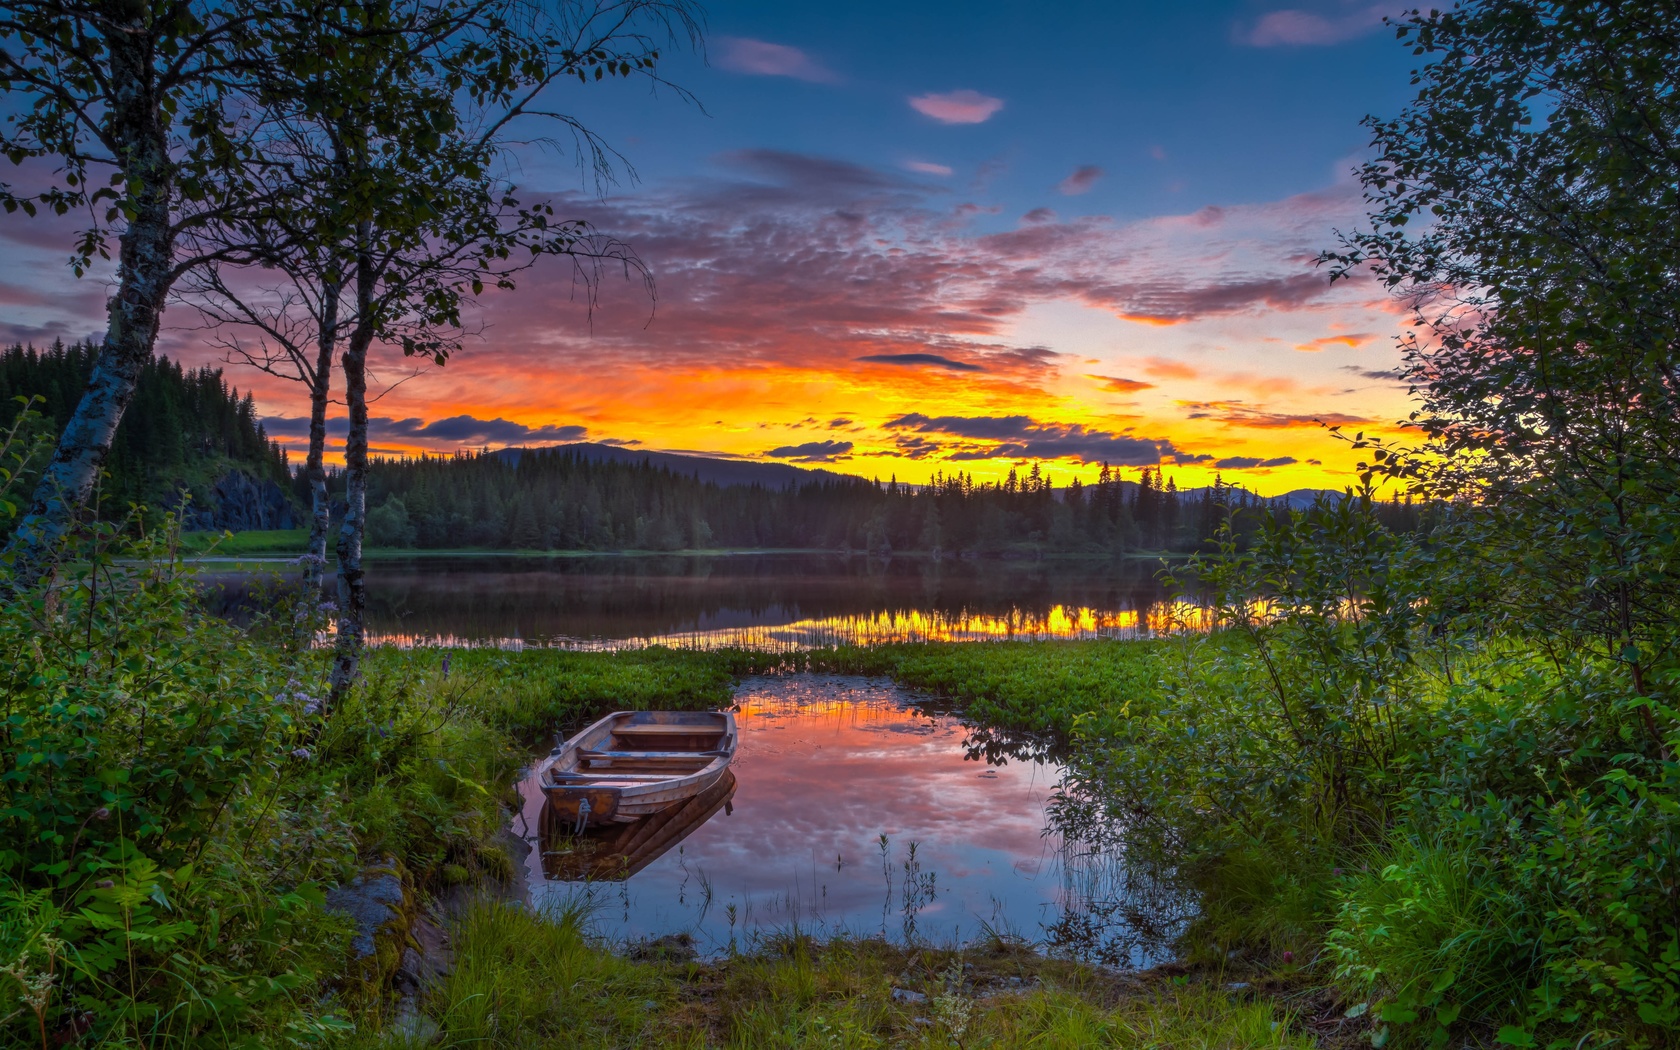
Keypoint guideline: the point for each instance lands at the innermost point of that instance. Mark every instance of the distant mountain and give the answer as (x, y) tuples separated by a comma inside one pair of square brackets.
[(1300, 499), (731, 472), (723, 472), (1294, 499)]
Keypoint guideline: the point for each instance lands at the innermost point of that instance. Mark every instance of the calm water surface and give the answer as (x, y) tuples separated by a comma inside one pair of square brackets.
[(769, 601), (855, 811)]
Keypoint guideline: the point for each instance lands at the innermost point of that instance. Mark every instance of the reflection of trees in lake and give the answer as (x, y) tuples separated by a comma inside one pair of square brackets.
[(638, 597), (1113, 909)]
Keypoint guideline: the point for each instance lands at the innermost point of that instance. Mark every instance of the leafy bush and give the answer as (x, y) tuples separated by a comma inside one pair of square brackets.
[(137, 737), (1531, 885)]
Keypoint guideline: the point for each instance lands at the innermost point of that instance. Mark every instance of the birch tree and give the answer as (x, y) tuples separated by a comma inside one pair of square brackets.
[(401, 175), (135, 113)]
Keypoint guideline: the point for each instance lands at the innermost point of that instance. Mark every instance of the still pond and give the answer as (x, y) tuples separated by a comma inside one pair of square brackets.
[(854, 809)]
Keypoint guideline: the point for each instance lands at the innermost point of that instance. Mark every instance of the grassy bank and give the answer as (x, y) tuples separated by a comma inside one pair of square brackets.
[(524, 980), (288, 542)]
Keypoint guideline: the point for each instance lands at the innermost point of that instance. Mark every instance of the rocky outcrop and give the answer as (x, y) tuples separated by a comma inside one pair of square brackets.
[(399, 948), (239, 502)]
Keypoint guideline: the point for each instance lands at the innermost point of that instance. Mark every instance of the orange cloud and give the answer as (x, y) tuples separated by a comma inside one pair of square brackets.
[(1167, 368), (1118, 385), (1355, 341)]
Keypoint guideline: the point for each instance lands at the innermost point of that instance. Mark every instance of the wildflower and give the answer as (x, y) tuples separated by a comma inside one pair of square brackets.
[(301, 752), (446, 657), (102, 813)]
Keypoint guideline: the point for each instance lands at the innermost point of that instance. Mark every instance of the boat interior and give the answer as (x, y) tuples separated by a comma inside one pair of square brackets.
[(636, 747)]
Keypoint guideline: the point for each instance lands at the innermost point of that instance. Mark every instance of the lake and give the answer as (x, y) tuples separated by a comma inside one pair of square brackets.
[(764, 601), (857, 808)]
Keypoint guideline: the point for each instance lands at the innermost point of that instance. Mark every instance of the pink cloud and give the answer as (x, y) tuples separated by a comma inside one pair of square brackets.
[(1081, 181), (785, 262), (802, 262), (957, 107), (1167, 368), (762, 58), (1293, 27), (928, 167)]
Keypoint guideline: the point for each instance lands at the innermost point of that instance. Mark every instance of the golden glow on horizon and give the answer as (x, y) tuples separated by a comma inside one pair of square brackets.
[(747, 413), (875, 628)]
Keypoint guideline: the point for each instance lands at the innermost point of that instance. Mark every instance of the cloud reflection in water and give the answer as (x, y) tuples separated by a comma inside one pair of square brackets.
[(854, 813)]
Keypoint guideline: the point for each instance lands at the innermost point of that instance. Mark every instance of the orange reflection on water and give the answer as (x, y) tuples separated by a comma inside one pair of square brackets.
[(881, 627)]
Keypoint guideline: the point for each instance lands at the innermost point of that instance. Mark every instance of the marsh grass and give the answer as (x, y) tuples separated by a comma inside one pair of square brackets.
[(529, 980)]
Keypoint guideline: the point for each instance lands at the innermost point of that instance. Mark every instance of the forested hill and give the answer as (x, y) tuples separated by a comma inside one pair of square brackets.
[(566, 500), (705, 468), (186, 428)]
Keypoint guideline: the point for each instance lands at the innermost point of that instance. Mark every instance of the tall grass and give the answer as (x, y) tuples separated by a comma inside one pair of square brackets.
[(528, 980)]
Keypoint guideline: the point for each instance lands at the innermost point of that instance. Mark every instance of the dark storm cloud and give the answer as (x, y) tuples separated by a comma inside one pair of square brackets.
[(1248, 462), (921, 359), (1021, 437), (451, 430), (812, 451)]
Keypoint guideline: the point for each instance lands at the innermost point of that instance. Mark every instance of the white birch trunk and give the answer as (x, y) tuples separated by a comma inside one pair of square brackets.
[(146, 260), (352, 587)]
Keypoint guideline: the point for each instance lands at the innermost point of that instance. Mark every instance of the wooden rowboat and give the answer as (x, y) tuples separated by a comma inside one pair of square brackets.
[(619, 851), (633, 764)]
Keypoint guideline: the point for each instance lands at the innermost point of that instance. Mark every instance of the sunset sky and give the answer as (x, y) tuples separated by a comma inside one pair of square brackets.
[(912, 237)]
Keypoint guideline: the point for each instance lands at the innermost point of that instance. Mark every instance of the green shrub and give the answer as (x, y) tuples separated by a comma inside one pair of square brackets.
[(1532, 885), (1434, 931), (141, 745)]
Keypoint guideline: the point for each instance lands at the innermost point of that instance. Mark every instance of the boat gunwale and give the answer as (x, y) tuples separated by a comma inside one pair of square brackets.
[(643, 786)]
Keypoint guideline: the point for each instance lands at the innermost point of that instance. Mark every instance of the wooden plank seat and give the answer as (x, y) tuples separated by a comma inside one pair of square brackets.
[(664, 729), (607, 774), (652, 756)]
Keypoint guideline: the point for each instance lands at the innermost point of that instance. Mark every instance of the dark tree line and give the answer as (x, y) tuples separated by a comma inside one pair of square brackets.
[(184, 427), (558, 500)]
